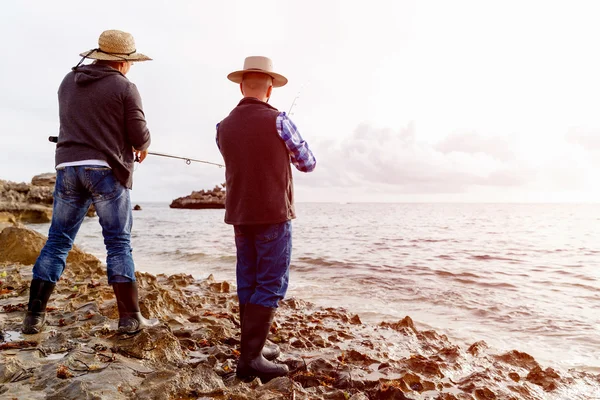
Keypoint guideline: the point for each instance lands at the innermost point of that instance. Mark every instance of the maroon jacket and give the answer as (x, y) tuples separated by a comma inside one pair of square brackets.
[(260, 189)]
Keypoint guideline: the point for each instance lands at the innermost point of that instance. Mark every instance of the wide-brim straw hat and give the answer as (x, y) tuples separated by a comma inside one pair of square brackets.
[(258, 64), (115, 45)]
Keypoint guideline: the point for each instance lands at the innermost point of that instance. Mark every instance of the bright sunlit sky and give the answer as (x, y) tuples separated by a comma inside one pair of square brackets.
[(399, 100)]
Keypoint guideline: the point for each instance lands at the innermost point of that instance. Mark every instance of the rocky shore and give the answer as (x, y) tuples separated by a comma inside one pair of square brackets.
[(28, 202), (192, 354), (203, 199)]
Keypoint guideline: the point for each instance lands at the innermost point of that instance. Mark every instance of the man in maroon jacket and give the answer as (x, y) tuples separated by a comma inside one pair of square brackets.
[(258, 143)]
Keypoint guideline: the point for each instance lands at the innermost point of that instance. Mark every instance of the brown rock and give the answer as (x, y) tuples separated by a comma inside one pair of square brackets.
[(202, 199), (30, 203), (22, 245), (48, 179), (406, 325), (548, 378), (477, 347), (484, 394), (518, 359)]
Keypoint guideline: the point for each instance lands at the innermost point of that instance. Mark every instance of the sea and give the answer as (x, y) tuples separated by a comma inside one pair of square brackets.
[(518, 276)]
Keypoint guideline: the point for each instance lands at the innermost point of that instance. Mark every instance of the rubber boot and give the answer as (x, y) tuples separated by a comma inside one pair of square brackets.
[(270, 350), (255, 328), (39, 293), (130, 318)]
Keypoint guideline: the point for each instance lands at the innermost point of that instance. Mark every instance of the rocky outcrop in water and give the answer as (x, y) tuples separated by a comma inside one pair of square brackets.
[(202, 199), (331, 353), (28, 202)]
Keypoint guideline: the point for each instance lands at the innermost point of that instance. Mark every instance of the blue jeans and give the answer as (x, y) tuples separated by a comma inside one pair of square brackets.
[(263, 262), (76, 188)]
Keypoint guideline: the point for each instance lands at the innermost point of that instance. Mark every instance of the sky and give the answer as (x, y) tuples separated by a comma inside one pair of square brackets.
[(461, 101)]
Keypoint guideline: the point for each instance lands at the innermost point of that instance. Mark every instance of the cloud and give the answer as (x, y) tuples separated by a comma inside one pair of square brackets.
[(398, 161), (584, 137)]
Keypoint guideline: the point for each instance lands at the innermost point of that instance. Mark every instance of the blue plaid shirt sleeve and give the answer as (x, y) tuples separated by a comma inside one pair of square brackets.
[(300, 155)]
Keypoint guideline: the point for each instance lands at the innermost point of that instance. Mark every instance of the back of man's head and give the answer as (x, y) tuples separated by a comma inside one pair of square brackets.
[(258, 85)]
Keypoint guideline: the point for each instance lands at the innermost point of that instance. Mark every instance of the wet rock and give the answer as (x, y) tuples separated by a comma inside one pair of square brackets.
[(137, 207), (205, 380), (477, 348), (415, 383), (10, 370), (405, 326), (389, 391), (282, 385), (357, 358), (425, 366), (157, 344), (548, 378), (518, 359), (164, 384), (75, 391)]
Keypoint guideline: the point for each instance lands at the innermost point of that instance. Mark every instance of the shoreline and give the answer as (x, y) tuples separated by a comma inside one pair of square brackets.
[(463, 333), (331, 352)]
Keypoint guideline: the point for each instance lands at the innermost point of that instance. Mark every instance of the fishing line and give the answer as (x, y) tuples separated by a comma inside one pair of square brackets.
[(188, 161)]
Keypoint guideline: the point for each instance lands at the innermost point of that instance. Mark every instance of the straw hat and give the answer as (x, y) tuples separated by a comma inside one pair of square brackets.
[(258, 64), (114, 45)]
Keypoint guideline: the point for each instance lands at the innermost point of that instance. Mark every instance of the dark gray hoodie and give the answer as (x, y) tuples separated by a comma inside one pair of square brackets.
[(101, 118)]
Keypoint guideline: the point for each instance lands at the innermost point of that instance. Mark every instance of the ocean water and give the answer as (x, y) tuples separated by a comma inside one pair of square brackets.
[(523, 277)]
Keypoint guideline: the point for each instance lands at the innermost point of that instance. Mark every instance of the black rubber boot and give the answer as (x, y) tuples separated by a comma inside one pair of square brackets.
[(130, 318), (255, 328), (270, 350), (39, 293)]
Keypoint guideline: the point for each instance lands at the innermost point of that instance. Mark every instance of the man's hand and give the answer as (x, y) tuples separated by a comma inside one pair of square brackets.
[(140, 155)]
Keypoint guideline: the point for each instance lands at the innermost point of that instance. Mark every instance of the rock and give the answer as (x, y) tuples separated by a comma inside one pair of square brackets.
[(27, 213), (9, 369), (157, 344), (48, 179), (518, 359), (137, 207), (202, 200), (22, 245), (405, 326), (548, 378), (30, 203), (191, 354)]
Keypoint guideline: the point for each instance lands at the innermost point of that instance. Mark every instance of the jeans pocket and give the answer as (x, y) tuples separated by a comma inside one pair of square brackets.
[(66, 182), (102, 183), (270, 232)]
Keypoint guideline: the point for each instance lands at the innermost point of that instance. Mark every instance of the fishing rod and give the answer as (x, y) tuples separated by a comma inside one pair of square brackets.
[(293, 103), (188, 161)]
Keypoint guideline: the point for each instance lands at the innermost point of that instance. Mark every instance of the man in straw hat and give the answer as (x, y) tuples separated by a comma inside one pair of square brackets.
[(102, 126), (258, 143)]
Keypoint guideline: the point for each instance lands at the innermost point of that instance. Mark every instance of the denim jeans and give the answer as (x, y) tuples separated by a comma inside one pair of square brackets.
[(263, 262), (76, 188)]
